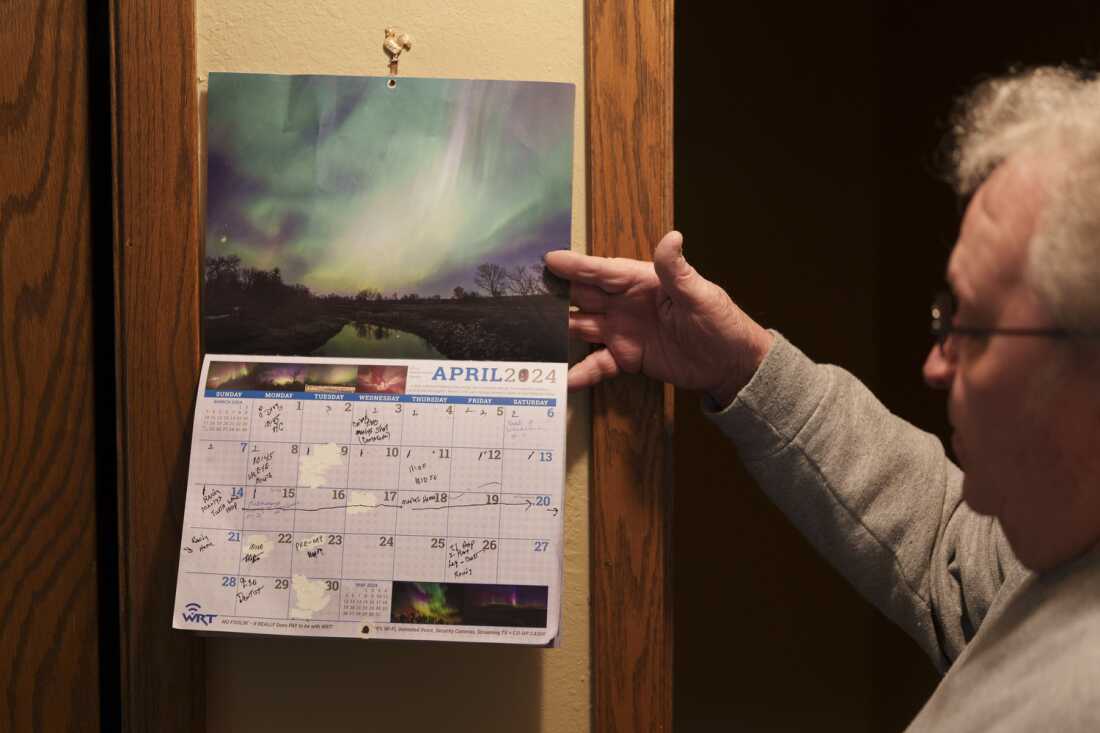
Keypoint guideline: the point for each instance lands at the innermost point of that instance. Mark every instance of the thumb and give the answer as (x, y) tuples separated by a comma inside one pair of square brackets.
[(679, 279)]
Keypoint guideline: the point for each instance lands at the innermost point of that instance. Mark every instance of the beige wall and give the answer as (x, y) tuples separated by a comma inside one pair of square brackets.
[(306, 684)]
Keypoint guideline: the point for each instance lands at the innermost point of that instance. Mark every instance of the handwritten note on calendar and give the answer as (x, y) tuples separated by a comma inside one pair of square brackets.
[(375, 498)]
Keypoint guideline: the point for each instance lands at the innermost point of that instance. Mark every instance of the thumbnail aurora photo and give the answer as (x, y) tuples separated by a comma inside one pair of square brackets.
[(470, 604)]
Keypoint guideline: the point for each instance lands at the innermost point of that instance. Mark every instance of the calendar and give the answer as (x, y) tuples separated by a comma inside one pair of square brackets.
[(381, 456), (375, 499)]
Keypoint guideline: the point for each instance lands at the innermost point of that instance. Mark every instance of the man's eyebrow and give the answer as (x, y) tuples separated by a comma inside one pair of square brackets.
[(956, 286), (949, 280)]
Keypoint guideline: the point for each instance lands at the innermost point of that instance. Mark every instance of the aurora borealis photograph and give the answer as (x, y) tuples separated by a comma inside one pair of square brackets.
[(348, 218), (470, 604)]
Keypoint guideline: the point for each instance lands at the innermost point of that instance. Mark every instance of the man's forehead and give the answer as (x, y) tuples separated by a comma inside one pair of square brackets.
[(999, 222), (1016, 190)]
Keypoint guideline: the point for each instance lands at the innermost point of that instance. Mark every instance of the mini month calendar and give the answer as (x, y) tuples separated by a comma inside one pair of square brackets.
[(375, 498)]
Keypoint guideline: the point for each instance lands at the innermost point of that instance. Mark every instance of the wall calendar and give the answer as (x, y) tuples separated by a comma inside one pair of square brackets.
[(379, 430), (375, 498)]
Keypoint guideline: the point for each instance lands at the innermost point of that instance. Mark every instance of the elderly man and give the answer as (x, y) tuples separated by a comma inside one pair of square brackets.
[(995, 571)]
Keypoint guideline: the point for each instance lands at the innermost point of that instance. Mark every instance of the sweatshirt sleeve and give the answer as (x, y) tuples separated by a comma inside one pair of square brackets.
[(875, 495)]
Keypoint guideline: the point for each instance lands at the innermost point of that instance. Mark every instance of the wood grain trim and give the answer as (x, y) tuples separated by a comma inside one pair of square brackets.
[(156, 195), (629, 85), (49, 653)]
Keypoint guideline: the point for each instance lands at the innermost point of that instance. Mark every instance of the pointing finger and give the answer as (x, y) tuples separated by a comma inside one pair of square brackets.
[(588, 327), (594, 368), (610, 274)]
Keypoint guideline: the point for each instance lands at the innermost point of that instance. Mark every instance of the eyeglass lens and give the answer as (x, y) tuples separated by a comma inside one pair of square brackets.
[(943, 317)]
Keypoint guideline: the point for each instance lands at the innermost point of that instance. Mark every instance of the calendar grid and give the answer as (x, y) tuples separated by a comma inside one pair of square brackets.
[(347, 483), (395, 534), (500, 514), (491, 515), (354, 445), (294, 516), (280, 577), (241, 536), (394, 490), (397, 487), (450, 485)]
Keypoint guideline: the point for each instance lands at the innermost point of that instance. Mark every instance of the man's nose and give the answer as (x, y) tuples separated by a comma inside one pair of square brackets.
[(938, 371)]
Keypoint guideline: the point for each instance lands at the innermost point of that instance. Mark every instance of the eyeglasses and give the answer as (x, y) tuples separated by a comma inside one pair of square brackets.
[(944, 306)]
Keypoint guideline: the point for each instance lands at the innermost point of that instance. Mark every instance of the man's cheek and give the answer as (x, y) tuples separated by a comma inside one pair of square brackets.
[(980, 492)]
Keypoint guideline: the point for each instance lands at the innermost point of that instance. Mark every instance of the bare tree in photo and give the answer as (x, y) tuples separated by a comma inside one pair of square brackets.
[(368, 294), (526, 280), (492, 278)]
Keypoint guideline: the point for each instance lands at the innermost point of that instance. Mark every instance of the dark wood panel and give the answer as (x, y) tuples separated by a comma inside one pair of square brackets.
[(629, 78), (155, 118), (49, 664)]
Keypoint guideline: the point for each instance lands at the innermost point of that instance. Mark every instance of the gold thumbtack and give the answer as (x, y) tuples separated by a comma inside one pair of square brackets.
[(395, 43)]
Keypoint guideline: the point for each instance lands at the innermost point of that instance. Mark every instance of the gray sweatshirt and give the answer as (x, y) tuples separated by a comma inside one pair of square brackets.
[(882, 502)]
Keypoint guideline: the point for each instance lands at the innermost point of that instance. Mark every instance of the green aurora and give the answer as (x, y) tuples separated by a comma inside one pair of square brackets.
[(345, 184)]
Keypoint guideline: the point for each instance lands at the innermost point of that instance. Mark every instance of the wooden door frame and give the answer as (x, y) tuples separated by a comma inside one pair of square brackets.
[(156, 177), (157, 189), (54, 450), (629, 64)]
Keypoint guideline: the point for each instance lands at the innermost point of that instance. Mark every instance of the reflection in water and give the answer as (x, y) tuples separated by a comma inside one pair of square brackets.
[(360, 338), (379, 333)]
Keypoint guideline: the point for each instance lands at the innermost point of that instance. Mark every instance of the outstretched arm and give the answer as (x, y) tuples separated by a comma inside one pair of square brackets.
[(876, 496)]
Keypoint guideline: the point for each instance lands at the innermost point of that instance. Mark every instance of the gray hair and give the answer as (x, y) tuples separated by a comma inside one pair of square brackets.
[(1055, 112)]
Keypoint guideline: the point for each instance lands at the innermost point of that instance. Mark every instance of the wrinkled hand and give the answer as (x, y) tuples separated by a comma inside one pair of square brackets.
[(662, 319)]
